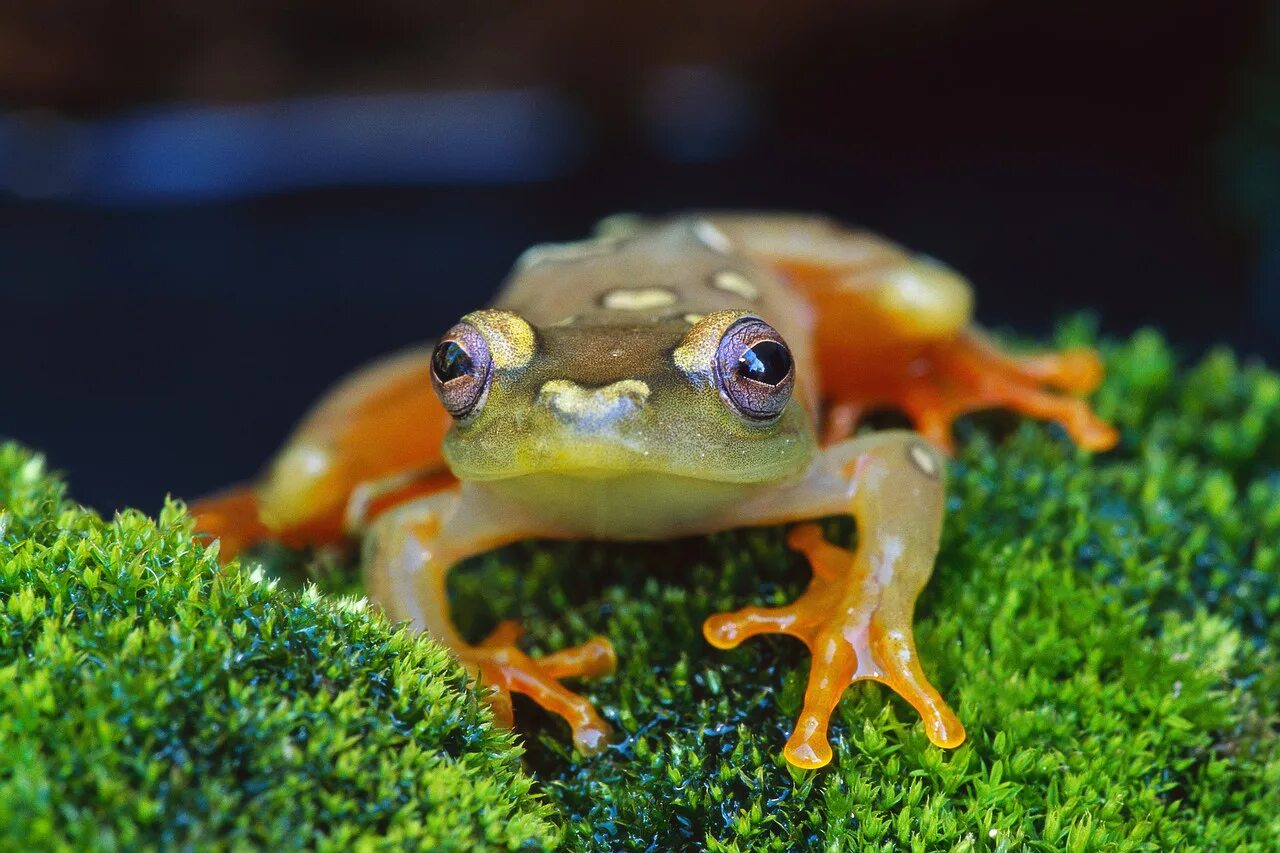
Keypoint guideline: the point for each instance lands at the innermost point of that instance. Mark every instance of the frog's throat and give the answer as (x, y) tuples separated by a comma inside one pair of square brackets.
[(622, 506), (589, 461)]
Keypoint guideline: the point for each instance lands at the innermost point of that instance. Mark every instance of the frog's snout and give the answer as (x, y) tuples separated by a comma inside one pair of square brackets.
[(593, 407)]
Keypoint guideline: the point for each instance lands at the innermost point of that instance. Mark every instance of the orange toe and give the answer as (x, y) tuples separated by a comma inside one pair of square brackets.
[(505, 669), (849, 639), (953, 378)]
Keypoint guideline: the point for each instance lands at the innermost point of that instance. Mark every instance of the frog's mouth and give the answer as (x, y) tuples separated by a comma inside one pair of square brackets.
[(593, 435)]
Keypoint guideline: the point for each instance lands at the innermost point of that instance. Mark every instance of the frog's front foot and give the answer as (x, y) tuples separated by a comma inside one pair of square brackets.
[(855, 631), (505, 669)]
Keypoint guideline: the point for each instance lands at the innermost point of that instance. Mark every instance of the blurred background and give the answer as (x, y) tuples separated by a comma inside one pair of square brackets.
[(209, 211)]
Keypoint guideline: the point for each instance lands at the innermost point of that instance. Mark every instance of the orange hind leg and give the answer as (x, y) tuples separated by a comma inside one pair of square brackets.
[(934, 382), (376, 435), (894, 329), (231, 517)]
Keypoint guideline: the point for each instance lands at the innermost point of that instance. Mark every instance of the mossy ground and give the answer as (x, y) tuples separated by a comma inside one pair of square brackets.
[(1106, 627), (151, 700)]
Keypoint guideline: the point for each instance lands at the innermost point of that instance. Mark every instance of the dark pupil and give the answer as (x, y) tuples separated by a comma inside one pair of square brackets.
[(767, 362), (450, 361)]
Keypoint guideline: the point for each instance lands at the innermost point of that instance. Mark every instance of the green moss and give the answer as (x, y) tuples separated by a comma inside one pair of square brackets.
[(1106, 628), (149, 699)]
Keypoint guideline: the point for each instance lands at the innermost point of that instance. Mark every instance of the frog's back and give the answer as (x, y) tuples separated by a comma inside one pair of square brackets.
[(633, 273)]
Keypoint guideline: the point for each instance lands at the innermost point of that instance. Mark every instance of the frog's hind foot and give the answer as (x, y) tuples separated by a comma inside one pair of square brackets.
[(505, 669), (851, 636), (977, 374), (232, 518), (971, 372)]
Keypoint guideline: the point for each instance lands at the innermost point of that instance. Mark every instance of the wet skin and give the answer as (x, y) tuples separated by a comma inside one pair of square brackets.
[(667, 378)]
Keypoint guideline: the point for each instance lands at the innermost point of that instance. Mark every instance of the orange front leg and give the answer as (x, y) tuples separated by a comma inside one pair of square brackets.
[(409, 551), (856, 616), (895, 330)]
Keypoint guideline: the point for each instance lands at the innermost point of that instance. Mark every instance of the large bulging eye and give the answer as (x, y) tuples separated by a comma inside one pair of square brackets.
[(460, 369), (755, 369)]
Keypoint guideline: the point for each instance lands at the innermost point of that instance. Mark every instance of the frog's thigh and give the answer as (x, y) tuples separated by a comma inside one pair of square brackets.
[(381, 421), (894, 329), (856, 616), (865, 289)]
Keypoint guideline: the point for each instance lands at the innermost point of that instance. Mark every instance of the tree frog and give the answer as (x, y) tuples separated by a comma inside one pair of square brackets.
[(669, 377)]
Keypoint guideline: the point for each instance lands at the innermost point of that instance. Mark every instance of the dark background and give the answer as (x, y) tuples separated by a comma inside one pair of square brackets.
[(207, 215)]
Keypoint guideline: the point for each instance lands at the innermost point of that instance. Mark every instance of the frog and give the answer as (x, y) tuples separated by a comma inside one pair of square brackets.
[(666, 377)]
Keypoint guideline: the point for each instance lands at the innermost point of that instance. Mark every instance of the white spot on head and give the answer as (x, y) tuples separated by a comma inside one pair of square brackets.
[(693, 319), (712, 237), (732, 281), (638, 298)]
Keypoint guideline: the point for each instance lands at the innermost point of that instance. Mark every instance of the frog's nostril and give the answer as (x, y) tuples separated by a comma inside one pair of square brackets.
[(569, 401)]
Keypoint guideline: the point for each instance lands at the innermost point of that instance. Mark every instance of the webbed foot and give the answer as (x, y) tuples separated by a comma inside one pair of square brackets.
[(971, 372), (851, 636), (505, 669)]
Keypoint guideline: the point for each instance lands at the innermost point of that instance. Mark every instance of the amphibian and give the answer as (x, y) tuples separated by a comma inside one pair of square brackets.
[(665, 378)]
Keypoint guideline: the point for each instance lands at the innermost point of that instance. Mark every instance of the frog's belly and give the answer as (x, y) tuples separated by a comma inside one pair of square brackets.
[(628, 506)]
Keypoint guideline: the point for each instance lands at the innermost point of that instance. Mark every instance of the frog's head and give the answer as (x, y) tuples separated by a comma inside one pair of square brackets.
[(702, 397)]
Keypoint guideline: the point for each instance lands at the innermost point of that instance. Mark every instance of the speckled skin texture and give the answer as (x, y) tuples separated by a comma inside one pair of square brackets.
[(602, 410)]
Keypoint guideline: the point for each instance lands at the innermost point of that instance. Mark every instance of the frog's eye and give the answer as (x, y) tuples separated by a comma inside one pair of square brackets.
[(755, 369), (460, 368)]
